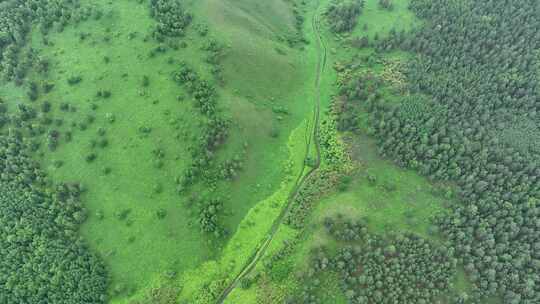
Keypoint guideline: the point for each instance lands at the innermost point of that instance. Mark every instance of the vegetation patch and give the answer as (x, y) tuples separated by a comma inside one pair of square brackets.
[(441, 129), (43, 258), (343, 14), (402, 268)]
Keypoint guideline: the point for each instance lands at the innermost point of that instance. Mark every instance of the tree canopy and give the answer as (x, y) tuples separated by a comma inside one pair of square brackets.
[(42, 257), (343, 14), (471, 117), (402, 268)]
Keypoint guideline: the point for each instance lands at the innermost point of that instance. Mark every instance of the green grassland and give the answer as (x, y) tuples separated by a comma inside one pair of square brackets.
[(251, 231), (375, 20), (267, 93), (123, 225), (397, 199), (150, 129)]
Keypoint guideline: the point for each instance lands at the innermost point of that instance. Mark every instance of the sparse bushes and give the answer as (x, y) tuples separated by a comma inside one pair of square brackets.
[(122, 214), (90, 157), (161, 214), (103, 93), (145, 81), (33, 93), (297, 38), (230, 168)]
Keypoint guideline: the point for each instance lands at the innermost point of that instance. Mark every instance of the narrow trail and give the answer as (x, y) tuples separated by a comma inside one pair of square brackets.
[(302, 177)]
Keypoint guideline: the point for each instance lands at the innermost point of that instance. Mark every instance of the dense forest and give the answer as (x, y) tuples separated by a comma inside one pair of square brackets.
[(471, 118), (379, 269), (44, 259)]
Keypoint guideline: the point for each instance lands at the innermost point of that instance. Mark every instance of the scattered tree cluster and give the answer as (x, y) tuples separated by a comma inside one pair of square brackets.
[(343, 15), (401, 268), (214, 134), (209, 211), (215, 52), (16, 19), (42, 258), (230, 168), (297, 37), (202, 91), (38, 125), (215, 128), (172, 19), (477, 73)]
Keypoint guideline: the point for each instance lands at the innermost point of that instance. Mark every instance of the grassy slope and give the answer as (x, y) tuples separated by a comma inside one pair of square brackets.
[(251, 231), (239, 295), (133, 178), (259, 78), (130, 184)]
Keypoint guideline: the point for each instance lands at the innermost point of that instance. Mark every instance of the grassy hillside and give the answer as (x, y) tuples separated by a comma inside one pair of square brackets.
[(131, 128), (127, 129), (127, 183), (265, 91)]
